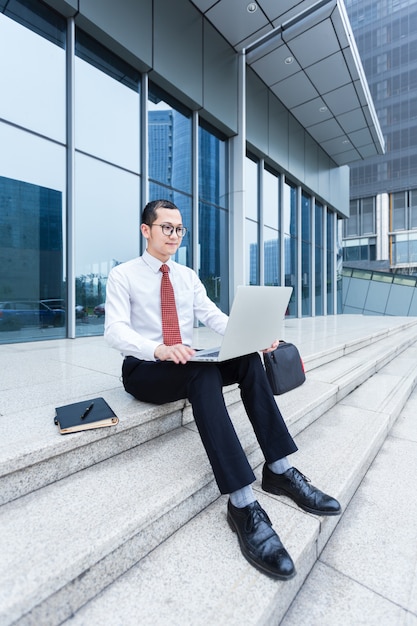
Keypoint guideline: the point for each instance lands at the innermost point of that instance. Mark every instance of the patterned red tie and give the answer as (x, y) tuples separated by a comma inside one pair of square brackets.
[(170, 326)]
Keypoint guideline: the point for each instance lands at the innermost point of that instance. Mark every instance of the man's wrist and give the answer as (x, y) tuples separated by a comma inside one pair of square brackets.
[(161, 345)]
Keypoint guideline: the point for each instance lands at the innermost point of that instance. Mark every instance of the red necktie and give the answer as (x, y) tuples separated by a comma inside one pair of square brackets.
[(170, 327)]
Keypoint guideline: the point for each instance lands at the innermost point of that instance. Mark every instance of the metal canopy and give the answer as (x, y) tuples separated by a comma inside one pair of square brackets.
[(306, 54)]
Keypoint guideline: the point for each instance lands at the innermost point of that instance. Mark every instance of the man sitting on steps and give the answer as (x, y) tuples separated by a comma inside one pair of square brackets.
[(150, 309)]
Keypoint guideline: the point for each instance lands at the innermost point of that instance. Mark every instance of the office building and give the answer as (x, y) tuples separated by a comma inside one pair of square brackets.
[(381, 232), (247, 115)]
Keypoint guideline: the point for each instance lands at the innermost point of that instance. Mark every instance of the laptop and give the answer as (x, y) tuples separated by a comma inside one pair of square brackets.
[(255, 322)]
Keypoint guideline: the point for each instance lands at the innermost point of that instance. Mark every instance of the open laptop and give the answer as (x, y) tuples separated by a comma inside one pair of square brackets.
[(255, 322)]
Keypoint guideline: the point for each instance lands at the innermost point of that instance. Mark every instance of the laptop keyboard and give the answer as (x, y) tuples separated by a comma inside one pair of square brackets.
[(210, 354)]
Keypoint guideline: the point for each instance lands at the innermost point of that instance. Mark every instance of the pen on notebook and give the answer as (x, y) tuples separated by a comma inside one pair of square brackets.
[(86, 412)]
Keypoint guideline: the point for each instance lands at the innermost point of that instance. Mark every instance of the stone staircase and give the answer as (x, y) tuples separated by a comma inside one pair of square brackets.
[(125, 525)]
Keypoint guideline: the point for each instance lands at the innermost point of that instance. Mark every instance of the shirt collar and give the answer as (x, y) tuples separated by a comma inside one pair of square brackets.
[(154, 263)]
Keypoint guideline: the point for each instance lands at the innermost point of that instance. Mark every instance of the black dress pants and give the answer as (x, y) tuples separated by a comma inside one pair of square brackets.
[(159, 382)]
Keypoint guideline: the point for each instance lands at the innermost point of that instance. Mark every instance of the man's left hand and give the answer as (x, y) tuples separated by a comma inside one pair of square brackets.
[(273, 347)]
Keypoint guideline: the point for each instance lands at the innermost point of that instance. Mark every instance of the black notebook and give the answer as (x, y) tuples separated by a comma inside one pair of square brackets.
[(95, 413)]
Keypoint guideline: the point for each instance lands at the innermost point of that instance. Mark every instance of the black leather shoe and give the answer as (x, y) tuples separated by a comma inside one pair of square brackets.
[(259, 542), (298, 487)]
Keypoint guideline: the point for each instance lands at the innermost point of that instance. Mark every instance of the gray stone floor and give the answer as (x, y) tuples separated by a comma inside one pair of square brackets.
[(367, 574)]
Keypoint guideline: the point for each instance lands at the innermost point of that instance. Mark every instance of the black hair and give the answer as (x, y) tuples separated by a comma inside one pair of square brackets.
[(149, 212)]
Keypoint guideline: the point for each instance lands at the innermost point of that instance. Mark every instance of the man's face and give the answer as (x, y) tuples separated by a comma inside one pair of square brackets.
[(163, 246)]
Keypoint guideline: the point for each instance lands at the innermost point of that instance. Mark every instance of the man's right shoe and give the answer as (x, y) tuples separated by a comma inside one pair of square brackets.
[(258, 541)]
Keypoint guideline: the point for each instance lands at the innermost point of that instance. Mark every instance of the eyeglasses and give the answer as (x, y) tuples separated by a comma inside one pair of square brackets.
[(167, 229)]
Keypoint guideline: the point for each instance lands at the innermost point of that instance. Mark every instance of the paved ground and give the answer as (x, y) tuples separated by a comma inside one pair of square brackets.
[(367, 574)]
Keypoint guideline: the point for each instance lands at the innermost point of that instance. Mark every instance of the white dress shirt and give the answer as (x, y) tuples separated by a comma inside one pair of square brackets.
[(133, 306)]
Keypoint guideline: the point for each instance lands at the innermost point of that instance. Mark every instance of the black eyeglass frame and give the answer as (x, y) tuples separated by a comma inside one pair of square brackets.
[(167, 229)]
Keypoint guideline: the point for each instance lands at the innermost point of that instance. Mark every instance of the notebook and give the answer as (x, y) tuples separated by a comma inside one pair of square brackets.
[(95, 413), (255, 322)]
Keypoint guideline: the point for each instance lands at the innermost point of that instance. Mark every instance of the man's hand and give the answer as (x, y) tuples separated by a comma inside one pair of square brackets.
[(273, 347), (178, 353)]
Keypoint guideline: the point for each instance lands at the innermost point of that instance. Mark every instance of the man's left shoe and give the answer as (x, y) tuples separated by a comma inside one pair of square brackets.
[(298, 487)]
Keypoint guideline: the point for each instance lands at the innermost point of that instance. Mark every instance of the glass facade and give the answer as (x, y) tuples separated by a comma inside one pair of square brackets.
[(107, 173), (386, 35), (360, 231), (252, 222), (318, 257), (73, 184), (330, 265), (306, 275), (297, 235), (170, 150), (271, 233), (213, 216), (32, 174), (290, 233)]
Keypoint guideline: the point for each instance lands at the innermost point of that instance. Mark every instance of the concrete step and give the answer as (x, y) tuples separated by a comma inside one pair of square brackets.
[(367, 573), (84, 531), (33, 455), (198, 575)]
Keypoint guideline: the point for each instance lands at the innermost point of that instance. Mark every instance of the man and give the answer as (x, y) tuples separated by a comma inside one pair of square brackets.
[(153, 328)]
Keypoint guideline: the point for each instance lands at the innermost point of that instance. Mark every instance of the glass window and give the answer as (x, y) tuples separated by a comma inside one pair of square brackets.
[(32, 172), (107, 183), (318, 258), (106, 106), (413, 208), (330, 261), (212, 165), (213, 251), (271, 199), (252, 221), (95, 54), (183, 202), (252, 189), (213, 233), (271, 257), (412, 251), (289, 208), (32, 81), (252, 247), (368, 216), (270, 203), (400, 252), (399, 211), (38, 17), (306, 254), (32, 305), (352, 223), (106, 232), (170, 147), (339, 265)]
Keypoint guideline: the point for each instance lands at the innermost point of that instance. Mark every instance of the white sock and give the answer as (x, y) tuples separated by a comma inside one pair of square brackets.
[(242, 497), (280, 466)]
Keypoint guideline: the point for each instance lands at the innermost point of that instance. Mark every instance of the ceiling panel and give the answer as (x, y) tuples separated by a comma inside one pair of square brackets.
[(351, 121), (312, 112), (204, 5), (327, 130), (325, 43), (361, 138), (275, 10), (305, 52), (273, 68), (235, 22), (329, 73), (343, 99), (295, 90)]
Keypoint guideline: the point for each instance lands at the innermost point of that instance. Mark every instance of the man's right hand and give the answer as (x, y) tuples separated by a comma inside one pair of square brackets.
[(177, 353)]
